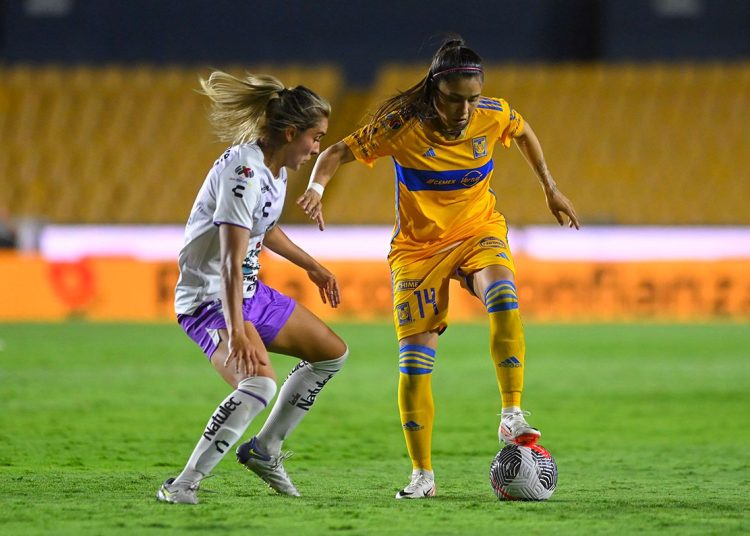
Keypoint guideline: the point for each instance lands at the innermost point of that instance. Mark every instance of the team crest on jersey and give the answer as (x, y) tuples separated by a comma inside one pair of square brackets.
[(480, 146), (244, 171), (393, 121), (491, 242), (407, 284), (403, 313)]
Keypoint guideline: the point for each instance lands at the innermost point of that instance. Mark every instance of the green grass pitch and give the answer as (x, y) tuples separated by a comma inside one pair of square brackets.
[(649, 424)]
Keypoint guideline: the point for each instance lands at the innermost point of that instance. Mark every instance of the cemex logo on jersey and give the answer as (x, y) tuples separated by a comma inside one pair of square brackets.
[(244, 171), (220, 417)]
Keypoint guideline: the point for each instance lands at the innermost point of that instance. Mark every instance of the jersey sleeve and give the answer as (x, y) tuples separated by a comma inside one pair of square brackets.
[(371, 142), (237, 196), (513, 126)]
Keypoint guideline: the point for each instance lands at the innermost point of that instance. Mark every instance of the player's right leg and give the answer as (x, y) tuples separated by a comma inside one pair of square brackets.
[(232, 416), (420, 305)]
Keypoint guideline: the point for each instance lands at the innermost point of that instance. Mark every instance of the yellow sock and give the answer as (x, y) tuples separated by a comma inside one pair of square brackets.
[(415, 402), (507, 343)]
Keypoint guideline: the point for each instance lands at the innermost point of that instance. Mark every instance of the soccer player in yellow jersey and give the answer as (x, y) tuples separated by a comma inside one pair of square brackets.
[(441, 134)]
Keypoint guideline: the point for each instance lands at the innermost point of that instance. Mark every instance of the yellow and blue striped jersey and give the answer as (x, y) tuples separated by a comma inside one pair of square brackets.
[(442, 186)]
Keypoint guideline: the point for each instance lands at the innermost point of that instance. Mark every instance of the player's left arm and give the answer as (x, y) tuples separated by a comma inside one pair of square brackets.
[(558, 204), (277, 241)]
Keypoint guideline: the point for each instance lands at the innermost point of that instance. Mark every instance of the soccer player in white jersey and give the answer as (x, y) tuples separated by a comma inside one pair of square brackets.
[(220, 302)]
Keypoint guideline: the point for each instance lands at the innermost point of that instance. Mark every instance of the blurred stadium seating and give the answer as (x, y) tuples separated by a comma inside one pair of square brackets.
[(630, 144), (113, 145)]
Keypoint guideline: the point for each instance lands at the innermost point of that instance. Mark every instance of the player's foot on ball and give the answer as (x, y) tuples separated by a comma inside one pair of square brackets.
[(514, 430), (179, 493), (269, 468), (422, 485)]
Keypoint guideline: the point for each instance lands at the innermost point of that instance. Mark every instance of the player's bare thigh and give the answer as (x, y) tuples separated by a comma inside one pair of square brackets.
[(427, 338), (484, 277), (228, 372), (307, 337)]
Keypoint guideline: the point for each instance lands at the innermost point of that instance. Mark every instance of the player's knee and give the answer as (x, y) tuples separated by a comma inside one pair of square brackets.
[(415, 360), (332, 366), (261, 387), (501, 296)]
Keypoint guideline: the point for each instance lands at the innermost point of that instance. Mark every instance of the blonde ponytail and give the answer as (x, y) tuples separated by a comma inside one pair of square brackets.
[(242, 110), (238, 106)]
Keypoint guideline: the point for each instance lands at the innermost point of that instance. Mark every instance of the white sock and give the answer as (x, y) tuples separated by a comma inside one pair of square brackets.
[(510, 410), (295, 399), (227, 424), (425, 472)]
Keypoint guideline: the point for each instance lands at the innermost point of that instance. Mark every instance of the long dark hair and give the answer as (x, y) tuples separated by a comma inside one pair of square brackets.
[(452, 60)]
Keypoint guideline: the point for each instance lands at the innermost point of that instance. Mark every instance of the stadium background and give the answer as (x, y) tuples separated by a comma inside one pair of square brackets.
[(641, 106)]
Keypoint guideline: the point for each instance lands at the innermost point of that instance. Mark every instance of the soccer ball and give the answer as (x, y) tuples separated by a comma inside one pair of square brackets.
[(523, 473)]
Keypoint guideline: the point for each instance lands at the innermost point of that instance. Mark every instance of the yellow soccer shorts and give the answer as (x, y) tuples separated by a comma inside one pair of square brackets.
[(420, 288)]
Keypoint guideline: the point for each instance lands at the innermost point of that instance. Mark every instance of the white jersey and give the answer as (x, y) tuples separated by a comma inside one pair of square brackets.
[(239, 190)]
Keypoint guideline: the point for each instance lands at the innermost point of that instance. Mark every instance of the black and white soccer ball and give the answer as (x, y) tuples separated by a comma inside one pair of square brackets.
[(523, 473)]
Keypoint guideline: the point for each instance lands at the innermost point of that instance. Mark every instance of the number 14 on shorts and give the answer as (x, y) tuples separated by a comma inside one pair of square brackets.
[(426, 297)]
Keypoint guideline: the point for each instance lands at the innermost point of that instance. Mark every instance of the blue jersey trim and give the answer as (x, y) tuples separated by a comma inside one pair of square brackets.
[(457, 179), (490, 105), (398, 209)]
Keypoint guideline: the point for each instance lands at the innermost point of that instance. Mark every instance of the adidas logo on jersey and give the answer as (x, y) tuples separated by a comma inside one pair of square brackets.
[(429, 153), (511, 362)]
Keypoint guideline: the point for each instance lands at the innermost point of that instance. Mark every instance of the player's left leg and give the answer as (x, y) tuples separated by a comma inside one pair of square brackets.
[(495, 285), (323, 354)]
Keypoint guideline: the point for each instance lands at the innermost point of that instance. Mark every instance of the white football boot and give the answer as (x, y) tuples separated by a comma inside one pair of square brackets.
[(180, 493), (514, 430), (269, 468), (422, 485)]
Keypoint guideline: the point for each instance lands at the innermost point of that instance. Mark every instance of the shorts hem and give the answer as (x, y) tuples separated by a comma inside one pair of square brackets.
[(401, 334), (284, 319)]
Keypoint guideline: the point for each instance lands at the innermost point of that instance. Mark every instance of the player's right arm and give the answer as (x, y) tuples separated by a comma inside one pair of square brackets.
[(325, 167), (365, 145), (237, 200), (246, 348)]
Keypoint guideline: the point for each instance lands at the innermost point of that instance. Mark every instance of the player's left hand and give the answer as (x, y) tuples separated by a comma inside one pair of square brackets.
[(558, 205), (327, 285)]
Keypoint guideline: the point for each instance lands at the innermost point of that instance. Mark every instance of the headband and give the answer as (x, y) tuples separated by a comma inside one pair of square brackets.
[(459, 69)]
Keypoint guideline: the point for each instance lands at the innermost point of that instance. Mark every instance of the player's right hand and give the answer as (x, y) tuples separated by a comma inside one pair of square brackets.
[(312, 204), (248, 355)]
